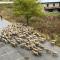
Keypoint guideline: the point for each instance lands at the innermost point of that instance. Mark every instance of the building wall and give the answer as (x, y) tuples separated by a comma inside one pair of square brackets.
[(56, 4), (51, 5)]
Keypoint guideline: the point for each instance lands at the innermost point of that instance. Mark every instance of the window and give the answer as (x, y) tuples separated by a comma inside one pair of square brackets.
[(59, 4), (53, 4), (47, 5)]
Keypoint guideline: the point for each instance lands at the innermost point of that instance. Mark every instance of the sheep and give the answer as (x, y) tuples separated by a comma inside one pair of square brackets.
[(4, 40), (55, 54), (39, 50), (37, 43), (27, 47), (32, 46), (40, 53), (52, 43), (48, 51), (42, 40), (35, 49), (35, 53), (22, 45), (13, 44)]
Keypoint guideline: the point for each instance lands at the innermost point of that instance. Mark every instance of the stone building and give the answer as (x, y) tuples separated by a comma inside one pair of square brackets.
[(51, 6)]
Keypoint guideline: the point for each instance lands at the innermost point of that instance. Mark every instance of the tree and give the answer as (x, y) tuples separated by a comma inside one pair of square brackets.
[(27, 8)]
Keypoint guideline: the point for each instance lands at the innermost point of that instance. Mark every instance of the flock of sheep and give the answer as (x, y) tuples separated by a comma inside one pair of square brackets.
[(24, 36)]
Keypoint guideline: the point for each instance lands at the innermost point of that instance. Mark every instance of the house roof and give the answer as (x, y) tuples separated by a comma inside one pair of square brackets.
[(49, 1)]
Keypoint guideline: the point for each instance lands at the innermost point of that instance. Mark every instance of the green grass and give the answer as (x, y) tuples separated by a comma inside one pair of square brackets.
[(52, 14)]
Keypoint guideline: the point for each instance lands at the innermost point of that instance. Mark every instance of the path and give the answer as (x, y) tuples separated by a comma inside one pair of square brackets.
[(4, 23), (9, 53), (45, 56)]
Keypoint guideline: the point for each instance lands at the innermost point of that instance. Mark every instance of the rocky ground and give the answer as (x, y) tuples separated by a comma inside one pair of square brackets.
[(26, 37)]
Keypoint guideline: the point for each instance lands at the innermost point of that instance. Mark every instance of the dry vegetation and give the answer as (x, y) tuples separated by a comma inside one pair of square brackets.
[(49, 26)]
